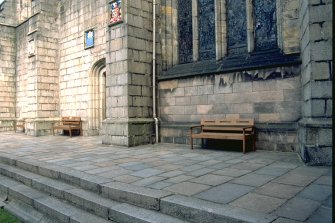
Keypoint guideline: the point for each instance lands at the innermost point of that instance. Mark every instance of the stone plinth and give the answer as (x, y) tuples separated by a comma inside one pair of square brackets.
[(127, 132)]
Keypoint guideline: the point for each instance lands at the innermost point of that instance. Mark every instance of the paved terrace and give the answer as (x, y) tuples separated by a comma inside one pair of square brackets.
[(267, 182)]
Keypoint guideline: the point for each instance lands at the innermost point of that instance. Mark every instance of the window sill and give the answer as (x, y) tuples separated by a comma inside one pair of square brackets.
[(238, 63)]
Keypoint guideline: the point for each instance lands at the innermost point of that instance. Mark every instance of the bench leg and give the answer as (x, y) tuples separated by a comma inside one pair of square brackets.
[(244, 145), (70, 132), (191, 141), (254, 143)]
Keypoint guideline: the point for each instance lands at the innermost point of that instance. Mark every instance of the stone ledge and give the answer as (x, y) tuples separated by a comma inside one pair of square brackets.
[(316, 123), (252, 61)]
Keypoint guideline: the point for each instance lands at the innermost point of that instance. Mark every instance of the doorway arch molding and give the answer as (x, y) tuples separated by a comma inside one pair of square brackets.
[(97, 96)]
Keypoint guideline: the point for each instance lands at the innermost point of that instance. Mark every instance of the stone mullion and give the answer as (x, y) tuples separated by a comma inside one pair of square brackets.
[(163, 34), (279, 24), (175, 38), (223, 17), (250, 26), (195, 28), (169, 28), (218, 29)]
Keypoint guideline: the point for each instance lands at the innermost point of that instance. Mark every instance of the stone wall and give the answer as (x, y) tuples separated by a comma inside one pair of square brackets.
[(289, 32), (76, 62), (37, 68), (315, 129), (7, 76), (190, 94), (8, 15), (270, 102)]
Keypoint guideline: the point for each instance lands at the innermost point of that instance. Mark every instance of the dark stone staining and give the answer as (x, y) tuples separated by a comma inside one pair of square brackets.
[(237, 27), (206, 30), (265, 24), (251, 64), (185, 31), (264, 107)]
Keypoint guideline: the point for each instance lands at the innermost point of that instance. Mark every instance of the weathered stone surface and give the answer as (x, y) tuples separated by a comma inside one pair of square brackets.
[(292, 209), (224, 193), (143, 197), (128, 213), (202, 211), (47, 71)]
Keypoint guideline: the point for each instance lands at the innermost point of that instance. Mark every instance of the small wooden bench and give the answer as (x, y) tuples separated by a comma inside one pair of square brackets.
[(19, 124), (233, 129), (68, 123)]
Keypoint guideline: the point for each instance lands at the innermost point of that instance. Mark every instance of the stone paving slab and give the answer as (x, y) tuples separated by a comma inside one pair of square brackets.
[(258, 203), (298, 209), (277, 190), (262, 181), (225, 193)]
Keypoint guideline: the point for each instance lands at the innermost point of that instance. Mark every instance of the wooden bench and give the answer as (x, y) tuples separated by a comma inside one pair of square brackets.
[(19, 124), (68, 123), (233, 129)]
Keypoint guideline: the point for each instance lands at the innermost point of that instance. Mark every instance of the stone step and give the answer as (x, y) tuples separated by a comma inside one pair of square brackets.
[(197, 210), (35, 192), (100, 196), (26, 213), (26, 203), (136, 195), (130, 213)]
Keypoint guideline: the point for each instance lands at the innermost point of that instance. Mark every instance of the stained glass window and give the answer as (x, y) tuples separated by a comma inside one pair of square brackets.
[(265, 24), (206, 30), (185, 31), (237, 26)]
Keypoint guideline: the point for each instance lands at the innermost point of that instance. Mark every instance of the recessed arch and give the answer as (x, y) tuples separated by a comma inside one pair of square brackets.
[(97, 99)]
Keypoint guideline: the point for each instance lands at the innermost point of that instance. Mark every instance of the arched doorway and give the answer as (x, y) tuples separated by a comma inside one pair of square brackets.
[(97, 102)]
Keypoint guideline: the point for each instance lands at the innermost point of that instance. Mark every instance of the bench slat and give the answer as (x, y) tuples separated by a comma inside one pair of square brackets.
[(208, 135)]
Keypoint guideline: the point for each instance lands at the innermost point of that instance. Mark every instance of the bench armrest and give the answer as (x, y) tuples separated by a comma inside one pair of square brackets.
[(248, 127), (56, 123), (195, 126)]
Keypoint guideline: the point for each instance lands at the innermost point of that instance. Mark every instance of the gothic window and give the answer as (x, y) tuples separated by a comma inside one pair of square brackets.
[(211, 29), (2, 5), (265, 24), (204, 27), (206, 30), (237, 26), (185, 31)]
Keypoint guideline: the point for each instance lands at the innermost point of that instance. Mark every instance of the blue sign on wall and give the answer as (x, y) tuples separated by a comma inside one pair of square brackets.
[(89, 38)]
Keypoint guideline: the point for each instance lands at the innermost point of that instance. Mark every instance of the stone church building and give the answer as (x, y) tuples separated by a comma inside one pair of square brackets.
[(270, 60)]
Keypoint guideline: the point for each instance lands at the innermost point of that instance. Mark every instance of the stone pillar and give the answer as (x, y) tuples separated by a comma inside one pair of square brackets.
[(43, 64), (315, 128), (128, 77), (7, 77)]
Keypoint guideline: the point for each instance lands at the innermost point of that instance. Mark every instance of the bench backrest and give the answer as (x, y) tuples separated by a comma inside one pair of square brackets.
[(228, 122), (71, 120)]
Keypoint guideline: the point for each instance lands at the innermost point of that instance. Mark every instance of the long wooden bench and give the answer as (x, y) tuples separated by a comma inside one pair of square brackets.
[(68, 123), (232, 129)]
